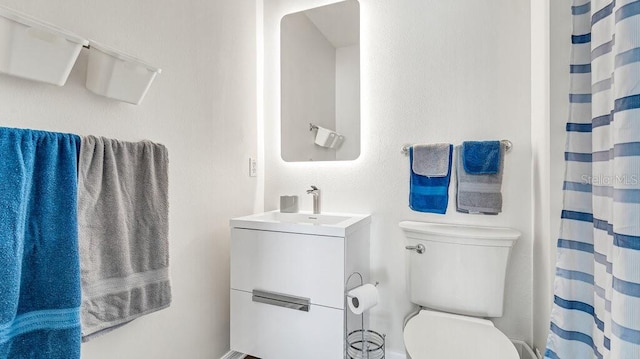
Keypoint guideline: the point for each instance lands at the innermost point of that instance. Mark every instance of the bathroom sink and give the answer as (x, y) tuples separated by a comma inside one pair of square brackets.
[(318, 219), (327, 224)]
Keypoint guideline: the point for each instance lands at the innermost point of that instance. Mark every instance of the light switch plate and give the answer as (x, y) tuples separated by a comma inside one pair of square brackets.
[(253, 167)]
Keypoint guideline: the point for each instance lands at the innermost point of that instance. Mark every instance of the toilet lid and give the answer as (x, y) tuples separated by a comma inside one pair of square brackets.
[(441, 335)]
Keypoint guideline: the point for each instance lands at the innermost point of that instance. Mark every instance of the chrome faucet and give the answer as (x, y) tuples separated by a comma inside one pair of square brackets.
[(315, 191)]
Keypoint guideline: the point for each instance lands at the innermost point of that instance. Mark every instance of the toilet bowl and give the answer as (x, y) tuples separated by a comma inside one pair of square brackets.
[(458, 273), (432, 334)]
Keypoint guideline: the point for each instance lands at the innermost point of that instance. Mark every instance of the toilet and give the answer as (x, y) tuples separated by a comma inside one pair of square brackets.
[(456, 276)]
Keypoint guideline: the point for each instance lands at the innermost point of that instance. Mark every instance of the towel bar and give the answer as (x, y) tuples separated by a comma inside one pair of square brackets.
[(405, 148)]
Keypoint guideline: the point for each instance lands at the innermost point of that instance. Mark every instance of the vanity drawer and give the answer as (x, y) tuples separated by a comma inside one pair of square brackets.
[(275, 332), (301, 265)]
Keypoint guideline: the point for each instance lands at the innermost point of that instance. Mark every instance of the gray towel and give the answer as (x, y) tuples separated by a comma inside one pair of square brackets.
[(431, 160), (478, 193), (123, 232)]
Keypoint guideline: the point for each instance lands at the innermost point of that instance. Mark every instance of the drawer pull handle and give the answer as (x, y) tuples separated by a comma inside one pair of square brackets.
[(281, 300)]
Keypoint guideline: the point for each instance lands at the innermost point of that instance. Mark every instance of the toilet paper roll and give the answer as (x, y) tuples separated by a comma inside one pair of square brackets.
[(362, 298), (325, 137)]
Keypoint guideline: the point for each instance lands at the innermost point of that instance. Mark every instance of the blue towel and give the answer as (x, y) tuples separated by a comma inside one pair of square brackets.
[(39, 266), (429, 194), (481, 157)]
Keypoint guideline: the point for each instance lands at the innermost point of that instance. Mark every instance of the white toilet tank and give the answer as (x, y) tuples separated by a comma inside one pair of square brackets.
[(462, 269)]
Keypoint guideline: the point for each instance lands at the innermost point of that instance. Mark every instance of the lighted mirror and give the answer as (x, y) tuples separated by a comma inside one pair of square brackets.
[(320, 83)]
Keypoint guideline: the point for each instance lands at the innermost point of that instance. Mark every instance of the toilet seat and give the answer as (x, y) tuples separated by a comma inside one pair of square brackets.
[(432, 334)]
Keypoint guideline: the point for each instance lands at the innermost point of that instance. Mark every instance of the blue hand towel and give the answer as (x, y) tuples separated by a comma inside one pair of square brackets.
[(430, 193), (39, 265), (481, 157)]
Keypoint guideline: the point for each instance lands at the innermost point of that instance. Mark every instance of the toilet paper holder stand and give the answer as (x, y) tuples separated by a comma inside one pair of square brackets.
[(362, 343), (346, 289)]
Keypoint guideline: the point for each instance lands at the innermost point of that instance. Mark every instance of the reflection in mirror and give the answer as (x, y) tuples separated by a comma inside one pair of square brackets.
[(320, 79)]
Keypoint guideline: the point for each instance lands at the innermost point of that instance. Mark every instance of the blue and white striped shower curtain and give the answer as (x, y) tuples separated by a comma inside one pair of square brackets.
[(596, 310)]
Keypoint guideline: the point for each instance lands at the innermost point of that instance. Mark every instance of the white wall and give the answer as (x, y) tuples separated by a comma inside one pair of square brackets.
[(203, 108), (540, 141), (560, 51), (553, 31), (431, 72)]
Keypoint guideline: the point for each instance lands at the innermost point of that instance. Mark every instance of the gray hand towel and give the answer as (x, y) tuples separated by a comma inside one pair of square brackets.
[(123, 232), (478, 193), (431, 160)]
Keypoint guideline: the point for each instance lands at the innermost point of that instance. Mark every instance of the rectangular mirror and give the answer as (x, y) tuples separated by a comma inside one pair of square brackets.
[(320, 83)]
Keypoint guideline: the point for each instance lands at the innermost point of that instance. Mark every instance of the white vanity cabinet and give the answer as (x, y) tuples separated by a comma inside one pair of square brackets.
[(287, 285)]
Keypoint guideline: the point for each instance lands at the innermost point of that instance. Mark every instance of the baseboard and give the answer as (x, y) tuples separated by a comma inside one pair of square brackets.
[(394, 355), (236, 355), (233, 355), (523, 349)]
